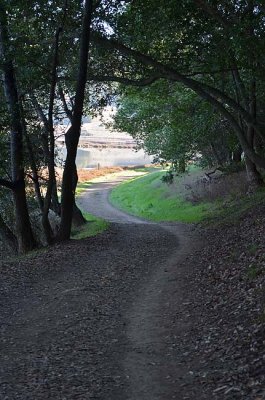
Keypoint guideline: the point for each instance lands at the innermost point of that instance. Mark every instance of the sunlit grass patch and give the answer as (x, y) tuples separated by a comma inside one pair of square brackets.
[(148, 197), (93, 227), (81, 187)]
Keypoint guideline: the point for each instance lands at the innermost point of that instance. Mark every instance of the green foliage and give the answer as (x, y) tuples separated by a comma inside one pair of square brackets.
[(170, 122), (168, 177)]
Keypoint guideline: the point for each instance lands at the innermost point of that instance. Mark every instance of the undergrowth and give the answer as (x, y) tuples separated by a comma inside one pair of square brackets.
[(231, 209)]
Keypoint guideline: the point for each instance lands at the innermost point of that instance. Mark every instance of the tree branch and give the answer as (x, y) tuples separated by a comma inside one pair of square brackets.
[(171, 74), (218, 99), (67, 110), (126, 81), (40, 112)]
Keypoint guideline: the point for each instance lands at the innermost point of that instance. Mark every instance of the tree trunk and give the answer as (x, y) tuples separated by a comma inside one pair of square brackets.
[(55, 204), (73, 134), (216, 155), (253, 176), (182, 166), (78, 218), (32, 160), (46, 137), (35, 177), (51, 186), (24, 233), (7, 236), (237, 155)]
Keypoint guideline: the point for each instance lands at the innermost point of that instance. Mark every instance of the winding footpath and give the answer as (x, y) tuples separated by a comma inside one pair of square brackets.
[(149, 360), (102, 318)]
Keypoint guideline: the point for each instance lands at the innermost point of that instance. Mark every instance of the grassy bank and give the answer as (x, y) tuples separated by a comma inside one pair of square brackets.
[(148, 197)]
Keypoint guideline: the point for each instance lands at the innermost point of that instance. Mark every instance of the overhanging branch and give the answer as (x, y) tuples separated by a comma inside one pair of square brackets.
[(213, 95), (126, 81)]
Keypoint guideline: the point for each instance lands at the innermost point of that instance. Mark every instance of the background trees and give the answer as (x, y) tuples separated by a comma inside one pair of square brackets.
[(212, 48), (172, 123)]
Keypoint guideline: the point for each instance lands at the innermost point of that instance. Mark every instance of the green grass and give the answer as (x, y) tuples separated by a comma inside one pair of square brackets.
[(152, 168), (93, 227), (81, 187), (149, 198)]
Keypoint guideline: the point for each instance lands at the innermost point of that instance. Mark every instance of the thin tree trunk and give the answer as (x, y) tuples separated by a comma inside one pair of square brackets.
[(237, 155), (49, 155), (33, 165), (51, 163), (55, 204), (24, 233), (182, 165), (73, 134), (216, 155)]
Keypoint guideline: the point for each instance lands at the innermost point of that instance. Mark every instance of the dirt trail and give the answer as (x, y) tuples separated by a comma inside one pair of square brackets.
[(156, 320), (101, 318), (150, 361), (95, 198)]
